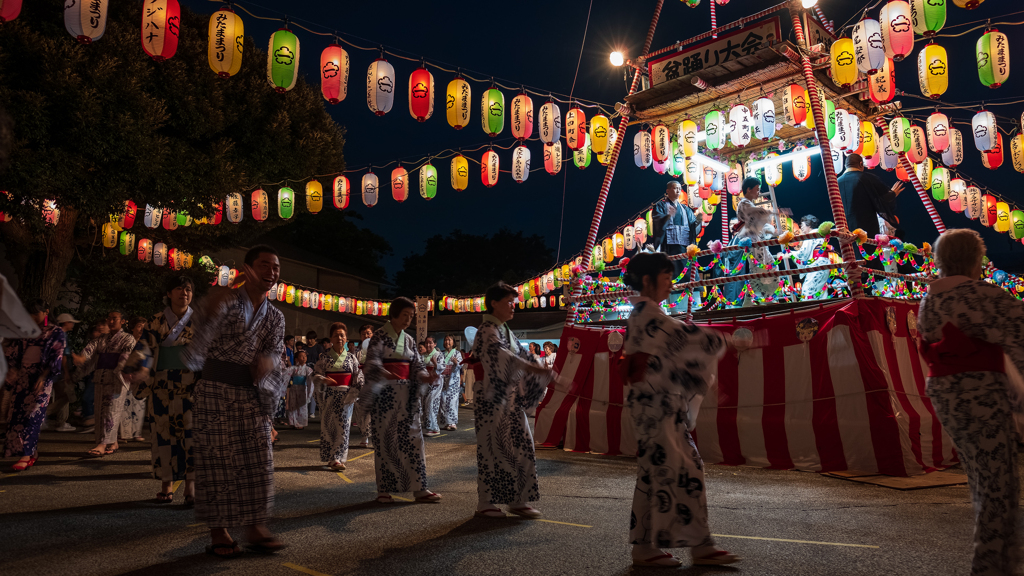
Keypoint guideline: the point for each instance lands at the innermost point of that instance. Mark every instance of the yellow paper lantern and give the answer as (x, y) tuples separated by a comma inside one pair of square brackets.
[(867, 139), (844, 64), (457, 106), (933, 71), (599, 133), (688, 137), (226, 39), (314, 196), (109, 235), (1002, 223), (460, 172)]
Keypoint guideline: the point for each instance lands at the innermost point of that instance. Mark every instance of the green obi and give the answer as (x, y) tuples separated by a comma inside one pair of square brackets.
[(170, 358)]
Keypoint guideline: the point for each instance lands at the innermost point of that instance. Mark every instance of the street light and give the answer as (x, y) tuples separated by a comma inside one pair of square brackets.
[(617, 59), (808, 3)]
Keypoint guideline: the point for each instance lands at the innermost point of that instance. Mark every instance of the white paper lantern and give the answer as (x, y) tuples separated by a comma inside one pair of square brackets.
[(550, 124), (380, 86), (872, 162), (938, 132), (714, 130), (984, 128), (764, 118), (642, 149), (973, 204), (953, 155), (841, 139), (152, 216), (370, 187), (802, 166), (522, 117), (739, 126), (888, 158), (160, 254), (838, 160), (86, 20), (853, 128), (234, 207), (520, 164), (957, 194), (629, 237), (868, 47)]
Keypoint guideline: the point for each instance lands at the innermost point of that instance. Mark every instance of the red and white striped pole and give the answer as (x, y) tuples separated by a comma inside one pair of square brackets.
[(714, 20), (724, 209), (820, 129), (916, 183), (595, 223)]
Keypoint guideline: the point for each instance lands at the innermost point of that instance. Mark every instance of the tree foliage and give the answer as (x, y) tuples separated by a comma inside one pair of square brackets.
[(335, 235), (466, 264)]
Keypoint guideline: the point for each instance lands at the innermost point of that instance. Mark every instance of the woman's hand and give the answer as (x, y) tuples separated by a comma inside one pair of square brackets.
[(78, 359)]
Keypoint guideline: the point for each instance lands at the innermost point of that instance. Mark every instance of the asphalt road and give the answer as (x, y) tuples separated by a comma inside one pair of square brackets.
[(83, 517)]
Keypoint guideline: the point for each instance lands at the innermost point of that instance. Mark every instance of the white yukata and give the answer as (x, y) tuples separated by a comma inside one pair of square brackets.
[(395, 408), (672, 364), (361, 415), (448, 400), (300, 391), (341, 379), (813, 282), (971, 325), (506, 463), (432, 401), (757, 227), (231, 434), (111, 352)]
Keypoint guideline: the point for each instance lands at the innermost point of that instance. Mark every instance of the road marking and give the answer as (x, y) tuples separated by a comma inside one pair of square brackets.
[(795, 541), (440, 435), (360, 456), (311, 441), (174, 487), (303, 569), (402, 499), (196, 524), (468, 429), (565, 523), (345, 478)]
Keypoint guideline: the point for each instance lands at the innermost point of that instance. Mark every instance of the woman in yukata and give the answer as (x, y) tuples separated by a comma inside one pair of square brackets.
[(337, 371), (300, 390)]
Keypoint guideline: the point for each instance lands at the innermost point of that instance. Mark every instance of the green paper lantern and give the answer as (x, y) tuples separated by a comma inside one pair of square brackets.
[(581, 157), (899, 135), (830, 118), (677, 162), (1017, 224), (428, 181), (940, 184), (126, 244), (993, 55), (714, 130), (283, 60), (927, 16), (492, 111), (285, 203)]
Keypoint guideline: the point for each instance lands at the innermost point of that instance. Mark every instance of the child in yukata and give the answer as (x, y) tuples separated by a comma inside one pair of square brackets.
[(300, 390)]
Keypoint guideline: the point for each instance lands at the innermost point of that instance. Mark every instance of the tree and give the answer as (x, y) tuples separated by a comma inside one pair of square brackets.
[(96, 125), (467, 264), (336, 236)]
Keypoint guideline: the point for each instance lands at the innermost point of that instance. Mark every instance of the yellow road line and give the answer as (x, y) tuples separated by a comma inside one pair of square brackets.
[(174, 487), (440, 435), (345, 478), (795, 541), (468, 429), (565, 523), (196, 524), (311, 441), (360, 456), (303, 569), (402, 499)]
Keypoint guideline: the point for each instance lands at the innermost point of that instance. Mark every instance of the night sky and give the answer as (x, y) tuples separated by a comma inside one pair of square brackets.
[(537, 43)]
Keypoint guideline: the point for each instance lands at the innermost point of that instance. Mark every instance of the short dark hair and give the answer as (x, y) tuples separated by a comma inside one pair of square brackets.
[(338, 326), (365, 326), (135, 321), (173, 282), (288, 337), (811, 220), (646, 264), (399, 304), (327, 341), (854, 161), (37, 305), (430, 339), (300, 351), (255, 251), (115, 311), (497, 291), (750, 182), (311, 335)]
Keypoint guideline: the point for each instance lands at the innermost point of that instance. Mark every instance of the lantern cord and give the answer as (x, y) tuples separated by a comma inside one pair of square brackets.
[(586, 27), (860, 14), (986, 25), (965, 106)]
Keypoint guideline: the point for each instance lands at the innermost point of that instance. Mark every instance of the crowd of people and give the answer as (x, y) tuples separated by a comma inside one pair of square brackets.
[(212, 380)]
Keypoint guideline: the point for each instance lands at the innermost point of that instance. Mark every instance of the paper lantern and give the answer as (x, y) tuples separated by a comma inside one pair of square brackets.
[(553, 157), (739, 126), (428, 181), (457, 104), (794, 105), (370, 187), (872, 162), (127, 218), (801, 166), (575, 129), (897, 29), (492, 111), (844, 62), (940, 183), (550, 126), (342, 191), (581, 157), (283, 60), (968, 4), (938, 132), (145, 250), (984, 128), (693, 199), (314, 301), (489, 166), (86, 21), (928, 16), (691, 171), (605, 157), (289, 294), (882, 85), (773, 172), (707, 179), (460, 173), (421, 94), (932, 71), (218, 213), (522, 117), (954, 154), (161, 24), (661, 167), (314, 196), (899, 134), (973, 202), (234, 206), (868, 139), (334, 67), (608, 250), (993, 158), (1017, 224), (380, 86), (629, 238), (868, 48), (260, 205), (918, 150), (993, 57), (989, 214), (327, 302), (1002, 223), (306, 298), (764, 118), (109, 233), (9, 10), (662, 143), (687, 136), (399, 184), (829, 108), (956, 194), (285, 203), (677, 162), (226, 39), (714, 130), (853, 129), (923, 171), (151, 217), (599, 133), (160, 254), (174, 259), (640, 230), (520, 164), (734, 180), (838, 157), (841, 139), (1017, 152), (641, 150)]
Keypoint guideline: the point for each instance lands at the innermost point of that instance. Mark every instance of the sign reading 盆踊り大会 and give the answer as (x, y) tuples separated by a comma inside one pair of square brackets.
[(422, 304), (728, 47)]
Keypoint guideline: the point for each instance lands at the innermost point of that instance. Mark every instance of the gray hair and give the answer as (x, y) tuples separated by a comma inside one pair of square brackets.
[(958, 252), (672, 183)]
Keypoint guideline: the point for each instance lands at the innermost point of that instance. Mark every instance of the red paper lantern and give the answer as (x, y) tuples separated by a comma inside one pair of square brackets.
[(421, 94), (127, 218), (399, 184), (334, 68), (342, 191), (576, 129), (9, 10), (993, 158), (218, 213), (161, 24), (489, 166)]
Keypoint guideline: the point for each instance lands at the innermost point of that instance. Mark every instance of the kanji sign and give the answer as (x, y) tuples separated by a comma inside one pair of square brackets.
[(727, 48)]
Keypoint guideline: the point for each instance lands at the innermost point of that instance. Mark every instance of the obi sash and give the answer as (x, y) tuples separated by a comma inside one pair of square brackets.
[(397, 367), (633, 367), (339, 378), (107, 360), (170, 358), (227, 372), (474, 364), (957, 353), (298, 380)]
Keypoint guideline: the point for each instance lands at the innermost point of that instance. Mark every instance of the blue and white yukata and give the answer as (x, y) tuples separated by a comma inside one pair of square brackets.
[(342, 380), (432, 402), (300, 390)]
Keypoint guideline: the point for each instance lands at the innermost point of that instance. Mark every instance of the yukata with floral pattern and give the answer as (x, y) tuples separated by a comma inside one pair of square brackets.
[(29, 359), (133, 413), (395, 408), (505, 458), (677, 363), (756, 226), (170, 392), (298, 395), (810, 254), (338, 400), (977, 409), (451, 385), (111, 351), (432, 401)]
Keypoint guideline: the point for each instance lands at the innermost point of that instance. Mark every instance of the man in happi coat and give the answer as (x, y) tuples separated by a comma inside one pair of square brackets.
[(238, 347), (111, 351)]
